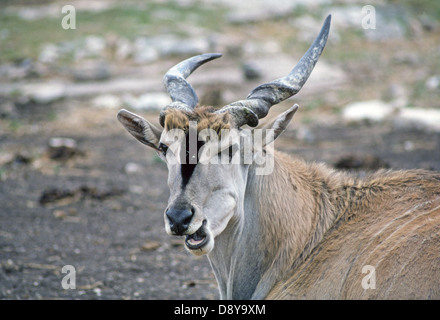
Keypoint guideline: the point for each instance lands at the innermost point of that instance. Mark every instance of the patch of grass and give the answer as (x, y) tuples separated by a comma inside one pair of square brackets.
[(430, 8), (24, 39), (132, 21), (15, 125), (314, 103)]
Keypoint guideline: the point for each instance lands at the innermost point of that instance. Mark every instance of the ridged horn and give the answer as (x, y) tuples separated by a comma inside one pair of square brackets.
[(181, 92), (259, 101)]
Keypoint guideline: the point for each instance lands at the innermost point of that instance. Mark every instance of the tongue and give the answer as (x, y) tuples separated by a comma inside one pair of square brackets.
[(195, 242), (196, 238)]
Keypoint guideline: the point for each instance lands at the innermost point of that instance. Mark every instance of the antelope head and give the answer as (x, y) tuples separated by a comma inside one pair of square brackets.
[(207, 151)]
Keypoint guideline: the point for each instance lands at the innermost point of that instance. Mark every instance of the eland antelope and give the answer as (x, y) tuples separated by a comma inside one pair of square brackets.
[(299, 230)]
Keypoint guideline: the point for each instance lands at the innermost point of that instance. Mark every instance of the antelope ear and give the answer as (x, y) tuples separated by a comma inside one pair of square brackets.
[(279, 125), (140, 128)]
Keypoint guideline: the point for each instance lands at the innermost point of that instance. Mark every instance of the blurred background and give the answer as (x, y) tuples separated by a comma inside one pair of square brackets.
[(76, 189)]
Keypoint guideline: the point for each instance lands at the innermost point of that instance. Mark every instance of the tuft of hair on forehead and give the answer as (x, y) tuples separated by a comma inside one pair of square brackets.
[(204, 116)]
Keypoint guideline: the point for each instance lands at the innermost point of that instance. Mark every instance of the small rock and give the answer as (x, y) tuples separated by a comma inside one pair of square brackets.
[(136, 189), (433, 82), (132, 168), (107, 101), (373, 110), (15, 159), (22, 159), (62, 148), (49, 53), (251, 71), (97, 291), (396, 91), (149, 101), (64, 196), (8, 110), (142, 53), (95, 45), (54, 195), (189, 284), (397, 94), (86, 191), (91, 71), (428, 23), (20, 69), (62, 142), (150, 245), (408, 145), (124, 49), (46, 93), (426, 119), (9, 266), (185, 47), (90, 47), (149, 49), (59, 214)]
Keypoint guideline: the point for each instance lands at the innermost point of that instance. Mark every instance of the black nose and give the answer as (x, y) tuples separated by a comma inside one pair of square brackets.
[(179, 220)]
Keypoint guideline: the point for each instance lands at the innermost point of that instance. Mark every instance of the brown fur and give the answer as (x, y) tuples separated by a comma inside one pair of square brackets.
[(204, 116), (334, 224)]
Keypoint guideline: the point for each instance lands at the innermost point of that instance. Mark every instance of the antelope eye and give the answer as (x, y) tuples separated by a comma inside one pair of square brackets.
[(163, 148)]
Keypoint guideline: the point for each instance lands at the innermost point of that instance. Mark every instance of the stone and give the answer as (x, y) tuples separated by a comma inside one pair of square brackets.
[(433, 82), (425, 119), (148, 101), (251, 71), (49, 53), (46, 93), (132, 168), (95, 45), (372, 110), (149, 49), (107, 101), (150, 245), (257, 11), (91, 70), (20, 69), (144, 51), (124, 49), (8, 110), (62, 148)]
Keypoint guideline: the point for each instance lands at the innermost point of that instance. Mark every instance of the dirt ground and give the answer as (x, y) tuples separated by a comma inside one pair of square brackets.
[(99, 205)]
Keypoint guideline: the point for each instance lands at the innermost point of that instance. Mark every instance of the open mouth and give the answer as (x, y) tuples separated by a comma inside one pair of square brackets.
[(198, 239)]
